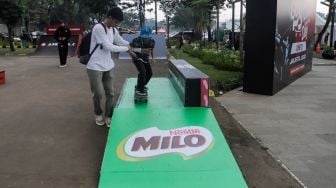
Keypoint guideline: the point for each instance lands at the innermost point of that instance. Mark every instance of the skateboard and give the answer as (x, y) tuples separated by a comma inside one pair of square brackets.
[(140, 98)]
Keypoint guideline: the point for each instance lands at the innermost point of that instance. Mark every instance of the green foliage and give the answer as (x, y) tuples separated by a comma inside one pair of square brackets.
[(328, 48), (174, 42), (187, 49), (229, 60), (10, 12), (205, 44), (210, 57), (44, 12), (223, 60), (328, 53), (38, 12)]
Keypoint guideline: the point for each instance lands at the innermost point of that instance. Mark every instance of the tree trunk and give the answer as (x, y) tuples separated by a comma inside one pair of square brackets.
[(209, 28), (233, 27), (168, 32), (209, 33), (217, 30), (141, 13), (26, 24), (11, 39), (241, 35), (332, 27), (156, 27), (66, 13), (325, 27)]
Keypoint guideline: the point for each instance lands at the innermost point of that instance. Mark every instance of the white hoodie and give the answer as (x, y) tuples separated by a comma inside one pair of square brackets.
[(101, 59)]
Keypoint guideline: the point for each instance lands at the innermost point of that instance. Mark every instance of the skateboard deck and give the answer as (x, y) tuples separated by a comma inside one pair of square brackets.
[(139, 98)]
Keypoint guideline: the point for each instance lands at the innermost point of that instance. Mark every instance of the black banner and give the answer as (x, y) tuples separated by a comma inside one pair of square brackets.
[(294, 38), (278, 43)]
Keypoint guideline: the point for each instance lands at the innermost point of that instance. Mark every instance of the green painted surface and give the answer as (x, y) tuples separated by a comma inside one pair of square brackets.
[(213, 167), (161, 95)]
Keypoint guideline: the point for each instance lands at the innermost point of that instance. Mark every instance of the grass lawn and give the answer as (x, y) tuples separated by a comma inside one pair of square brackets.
[(220, 80), (17, 52)]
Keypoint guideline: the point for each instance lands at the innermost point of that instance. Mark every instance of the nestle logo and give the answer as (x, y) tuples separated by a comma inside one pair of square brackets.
[(189, 142)]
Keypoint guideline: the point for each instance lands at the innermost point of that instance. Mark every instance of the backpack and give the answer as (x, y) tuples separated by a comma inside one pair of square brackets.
[(84, 48)]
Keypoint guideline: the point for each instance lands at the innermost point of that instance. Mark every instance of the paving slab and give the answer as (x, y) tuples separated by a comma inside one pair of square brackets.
[(297, 125)]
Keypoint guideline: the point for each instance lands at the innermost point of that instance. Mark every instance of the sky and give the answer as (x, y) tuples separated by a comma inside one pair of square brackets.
[(227, 14)]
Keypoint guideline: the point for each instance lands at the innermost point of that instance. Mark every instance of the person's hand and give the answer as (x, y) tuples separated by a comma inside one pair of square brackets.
[(146, 50), (153, 61), (131, 53)]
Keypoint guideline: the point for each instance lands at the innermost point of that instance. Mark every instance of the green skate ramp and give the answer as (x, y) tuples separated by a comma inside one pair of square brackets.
[(164, 144)]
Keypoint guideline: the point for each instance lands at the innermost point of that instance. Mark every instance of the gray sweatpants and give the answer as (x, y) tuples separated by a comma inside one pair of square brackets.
[(102, 83)]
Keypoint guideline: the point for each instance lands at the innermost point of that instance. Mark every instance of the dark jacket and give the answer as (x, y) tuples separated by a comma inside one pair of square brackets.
[(62, 32), (140, 42)]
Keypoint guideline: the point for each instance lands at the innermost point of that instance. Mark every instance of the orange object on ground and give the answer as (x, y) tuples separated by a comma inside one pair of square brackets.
[(318, 48), (2, 77)]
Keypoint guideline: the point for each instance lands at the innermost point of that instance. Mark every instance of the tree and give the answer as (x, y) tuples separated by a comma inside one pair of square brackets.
[(201, 18), (183, 18), (214, 4), (10, 14), (331, 5), (168, 7), (242, 33), (37, 12), (100, 7), (136, 5), (204, 10), (131, 20)]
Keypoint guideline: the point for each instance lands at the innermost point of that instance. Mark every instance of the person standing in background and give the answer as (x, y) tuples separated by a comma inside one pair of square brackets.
[(34, 38), (62, 35)]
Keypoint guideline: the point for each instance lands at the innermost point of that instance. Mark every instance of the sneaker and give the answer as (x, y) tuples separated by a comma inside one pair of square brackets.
[(145, 88), (108, 122), (62, 66), (100, 120), (139, 93)]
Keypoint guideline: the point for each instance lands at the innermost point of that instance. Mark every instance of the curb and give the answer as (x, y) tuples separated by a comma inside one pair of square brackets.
[(324, 64), (19, 47)]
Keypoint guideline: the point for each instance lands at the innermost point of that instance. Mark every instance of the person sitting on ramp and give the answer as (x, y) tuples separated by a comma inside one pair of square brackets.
[(143, 46)]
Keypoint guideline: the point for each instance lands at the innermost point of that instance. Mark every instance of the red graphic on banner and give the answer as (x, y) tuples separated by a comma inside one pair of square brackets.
[(297, 69)]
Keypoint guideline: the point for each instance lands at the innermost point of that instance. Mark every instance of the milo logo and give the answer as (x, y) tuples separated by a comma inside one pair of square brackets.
[(189, 142)]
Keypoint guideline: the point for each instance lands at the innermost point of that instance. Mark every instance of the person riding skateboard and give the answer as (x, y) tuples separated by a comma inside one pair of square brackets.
[(143, 46)]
